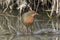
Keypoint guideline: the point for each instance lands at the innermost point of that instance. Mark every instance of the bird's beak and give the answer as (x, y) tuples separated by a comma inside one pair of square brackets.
[(36, 14)]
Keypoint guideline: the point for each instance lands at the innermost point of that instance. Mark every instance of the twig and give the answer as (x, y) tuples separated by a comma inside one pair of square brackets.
[(37, 5), (57, 7), (9, 25), (53, 26), (34, 5), (29, 6), (7, 4), (29, 1), (8, 15), (57, 38), (57, 24), (53, 7), (1, 28)]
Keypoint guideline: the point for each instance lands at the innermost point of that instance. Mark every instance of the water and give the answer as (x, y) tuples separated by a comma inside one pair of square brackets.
[(30, 37)]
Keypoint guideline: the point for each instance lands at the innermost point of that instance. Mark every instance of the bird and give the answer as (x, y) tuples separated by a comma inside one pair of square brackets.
[(28, 19)]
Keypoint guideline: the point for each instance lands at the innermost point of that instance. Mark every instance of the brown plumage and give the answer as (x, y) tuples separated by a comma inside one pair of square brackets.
[(28, 18)]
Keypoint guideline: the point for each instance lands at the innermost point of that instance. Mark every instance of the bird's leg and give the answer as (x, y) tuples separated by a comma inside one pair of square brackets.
[(29, 31)]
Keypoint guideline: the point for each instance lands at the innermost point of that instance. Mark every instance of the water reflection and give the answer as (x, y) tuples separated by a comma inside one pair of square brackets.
[(55, 37), (30, 37)]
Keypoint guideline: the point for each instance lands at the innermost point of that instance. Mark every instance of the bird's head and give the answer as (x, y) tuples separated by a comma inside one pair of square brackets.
[(33, 13)]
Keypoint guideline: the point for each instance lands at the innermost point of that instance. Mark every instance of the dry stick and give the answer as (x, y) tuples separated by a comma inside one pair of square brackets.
[(37, 25), (5, 9), (18, 24), (53, 26), (37, 5), (57, 7), (34, 25), (11, 38), (34, 5), (50, 1), (9, 24), (29, 6), (57, 38), (29, 1), (11, 27), (1, 28), (42, 0), (11, 7), (57, 24), (48, 21), (53, 7), (8, 15), (7, 3), (37, 22)]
